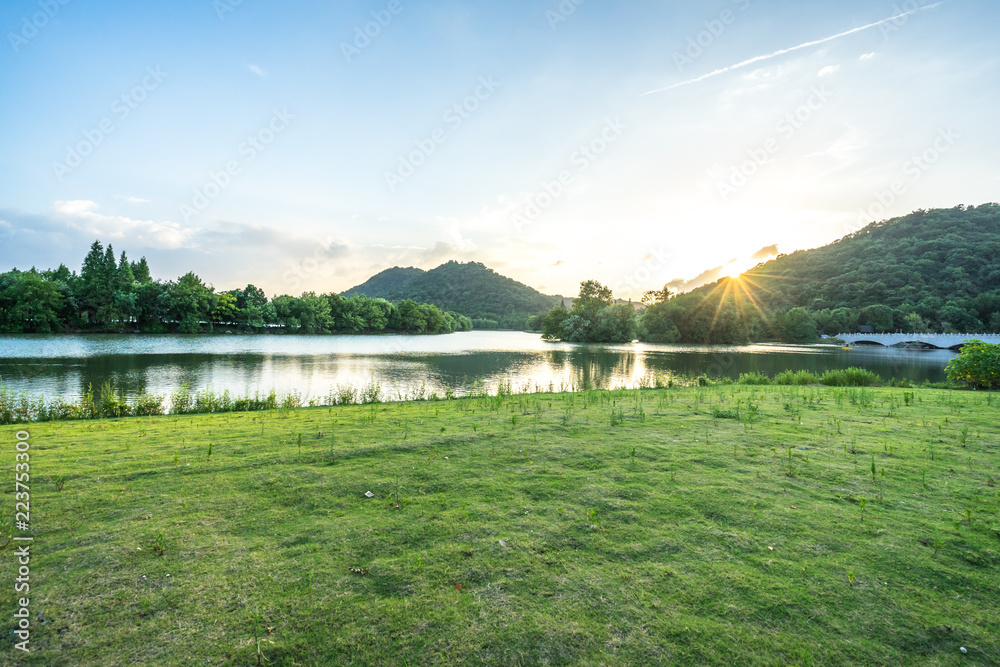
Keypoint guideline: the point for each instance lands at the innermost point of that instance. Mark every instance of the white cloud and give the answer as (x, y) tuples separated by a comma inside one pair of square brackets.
[(134, 200), (867, 56), (82, 214), (256, 70), (828, 70)]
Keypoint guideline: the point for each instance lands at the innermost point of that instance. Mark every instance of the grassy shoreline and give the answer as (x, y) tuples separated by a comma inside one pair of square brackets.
[(604, 527), (110, 402)]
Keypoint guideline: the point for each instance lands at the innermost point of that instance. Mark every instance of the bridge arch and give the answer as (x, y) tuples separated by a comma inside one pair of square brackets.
[(938, 341)]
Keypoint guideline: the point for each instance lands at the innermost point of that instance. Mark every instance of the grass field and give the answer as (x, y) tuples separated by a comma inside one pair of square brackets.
[(712, 525)]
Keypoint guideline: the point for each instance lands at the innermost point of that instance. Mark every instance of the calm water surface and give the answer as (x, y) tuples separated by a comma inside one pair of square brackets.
[(313, 365)]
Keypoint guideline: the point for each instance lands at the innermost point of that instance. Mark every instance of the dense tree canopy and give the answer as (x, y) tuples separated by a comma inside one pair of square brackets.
[(594, 318), (118, 295)]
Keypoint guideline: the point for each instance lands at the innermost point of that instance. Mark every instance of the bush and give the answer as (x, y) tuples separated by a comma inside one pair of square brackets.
[(111, 403), (181, 401), (753, 378), (800, 377), (850, 377), (977, 365), (148, 405)]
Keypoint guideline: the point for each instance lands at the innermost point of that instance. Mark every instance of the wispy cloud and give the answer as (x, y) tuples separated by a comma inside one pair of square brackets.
[(828, 70), (134, 200), (256, 70), (781, 52)]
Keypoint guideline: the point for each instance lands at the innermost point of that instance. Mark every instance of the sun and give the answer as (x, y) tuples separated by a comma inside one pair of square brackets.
[(737, 267)]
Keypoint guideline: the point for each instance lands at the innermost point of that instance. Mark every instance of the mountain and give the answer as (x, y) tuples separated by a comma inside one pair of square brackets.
[(933, 270), (941, 254), (472, 289)]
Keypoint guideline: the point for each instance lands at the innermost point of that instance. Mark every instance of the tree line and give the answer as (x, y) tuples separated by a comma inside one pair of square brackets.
[(730, 314), (114, 294)]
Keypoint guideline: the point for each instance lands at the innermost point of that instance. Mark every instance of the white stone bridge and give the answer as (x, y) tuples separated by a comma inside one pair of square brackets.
[(940, 341)]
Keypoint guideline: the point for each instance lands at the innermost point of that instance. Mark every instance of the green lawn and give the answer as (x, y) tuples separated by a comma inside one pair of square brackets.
[(714, 525)]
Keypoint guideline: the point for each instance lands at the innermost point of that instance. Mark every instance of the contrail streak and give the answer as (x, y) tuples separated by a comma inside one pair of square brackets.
[(782, 52)]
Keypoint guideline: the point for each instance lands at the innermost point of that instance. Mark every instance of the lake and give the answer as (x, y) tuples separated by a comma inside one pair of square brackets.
[(64, 365)]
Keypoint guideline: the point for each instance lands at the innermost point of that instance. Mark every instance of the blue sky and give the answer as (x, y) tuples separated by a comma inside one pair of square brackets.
[(279, 145)]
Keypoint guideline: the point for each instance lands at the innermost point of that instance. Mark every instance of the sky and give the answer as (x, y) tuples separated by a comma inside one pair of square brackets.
[(305, 145)]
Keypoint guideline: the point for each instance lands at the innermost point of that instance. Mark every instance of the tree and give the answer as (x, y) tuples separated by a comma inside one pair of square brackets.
[(411, 317), (140, 271), (617, 324), (659, 322), (152, 304), (592, 298), (878, 316), (797, 326), (224, 308), (914, 323), (657, 296), (552, 324), (188, 303), (124, 275), (96, 290), (977, 365), (29, 303), (954, 317)]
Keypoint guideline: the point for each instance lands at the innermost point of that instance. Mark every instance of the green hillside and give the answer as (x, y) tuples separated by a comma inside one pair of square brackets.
[(941, 254), (932, 270), (471, 289)]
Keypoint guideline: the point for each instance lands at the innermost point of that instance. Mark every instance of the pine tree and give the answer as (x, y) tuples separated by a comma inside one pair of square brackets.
[(140, 271), (96, 292), (93, 264), (110, 264), (125, 275)]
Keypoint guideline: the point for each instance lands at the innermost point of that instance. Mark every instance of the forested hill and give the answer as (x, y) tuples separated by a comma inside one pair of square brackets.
[(936, 270), (940, 254), (472, 289)]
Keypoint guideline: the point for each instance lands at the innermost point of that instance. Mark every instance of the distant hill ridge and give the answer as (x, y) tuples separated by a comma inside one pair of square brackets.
[(932, 256), (472, 289)]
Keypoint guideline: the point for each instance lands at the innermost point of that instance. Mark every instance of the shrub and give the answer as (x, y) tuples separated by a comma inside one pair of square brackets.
[(800, 377), (181, 401), (753, 378), (850, 377), (148, 405), (977, 365)]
